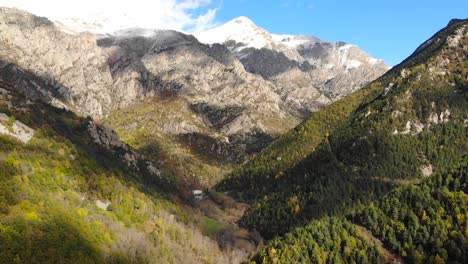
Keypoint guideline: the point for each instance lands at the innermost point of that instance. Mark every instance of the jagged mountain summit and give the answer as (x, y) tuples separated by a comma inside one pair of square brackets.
[(95, 75)]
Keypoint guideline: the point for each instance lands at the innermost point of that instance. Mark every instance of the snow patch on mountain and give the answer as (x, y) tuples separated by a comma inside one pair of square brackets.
[(294, 41), (290, 40)]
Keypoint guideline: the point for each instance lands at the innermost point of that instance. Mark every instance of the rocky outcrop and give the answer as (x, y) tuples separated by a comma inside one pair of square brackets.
[(14, 128), (31, 86), (109, 141)]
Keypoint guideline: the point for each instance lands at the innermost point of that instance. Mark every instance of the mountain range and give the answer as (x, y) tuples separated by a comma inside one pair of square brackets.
[(225, 94), (157, 146)]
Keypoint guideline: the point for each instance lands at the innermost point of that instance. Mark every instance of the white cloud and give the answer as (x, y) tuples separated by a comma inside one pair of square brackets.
[(111, 15)]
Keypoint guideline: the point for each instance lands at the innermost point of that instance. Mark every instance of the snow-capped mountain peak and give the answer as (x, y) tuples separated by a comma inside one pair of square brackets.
[(241, 30), (246, 34), (245, 31)]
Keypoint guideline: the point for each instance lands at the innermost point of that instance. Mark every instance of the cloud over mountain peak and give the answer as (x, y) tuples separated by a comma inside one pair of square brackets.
[(110, 16)]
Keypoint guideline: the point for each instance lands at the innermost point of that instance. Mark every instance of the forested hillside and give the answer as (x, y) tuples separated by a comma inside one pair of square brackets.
[(328, 240), (72, 192), (423, 223), (403, 127), (426, 222)]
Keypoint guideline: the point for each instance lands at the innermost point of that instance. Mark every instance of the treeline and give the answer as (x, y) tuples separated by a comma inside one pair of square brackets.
[(421, 223), (334, 181)]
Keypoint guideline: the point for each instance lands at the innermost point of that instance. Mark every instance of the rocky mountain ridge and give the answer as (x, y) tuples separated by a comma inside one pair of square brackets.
[(129, 68), (312, 72), (94, 76)]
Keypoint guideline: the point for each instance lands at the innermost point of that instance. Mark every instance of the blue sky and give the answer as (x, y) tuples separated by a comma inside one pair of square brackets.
[(387, 29)]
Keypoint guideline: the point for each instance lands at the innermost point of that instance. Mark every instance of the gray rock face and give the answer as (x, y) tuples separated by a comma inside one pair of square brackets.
[(72, 65), (266, 62), (213, 76), (340, 68), (316, 75), (31, 86)]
